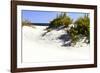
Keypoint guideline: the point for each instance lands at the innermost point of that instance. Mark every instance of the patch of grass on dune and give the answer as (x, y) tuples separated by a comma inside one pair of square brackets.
[(61, 20), (80, 29), (27, 23)]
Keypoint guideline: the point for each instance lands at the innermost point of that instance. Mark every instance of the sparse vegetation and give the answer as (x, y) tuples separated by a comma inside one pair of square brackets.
[(26, 23)]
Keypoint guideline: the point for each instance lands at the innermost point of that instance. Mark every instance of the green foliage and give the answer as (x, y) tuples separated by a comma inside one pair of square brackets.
[(80, 30), (61, 20), (73, 34), (83, 28)]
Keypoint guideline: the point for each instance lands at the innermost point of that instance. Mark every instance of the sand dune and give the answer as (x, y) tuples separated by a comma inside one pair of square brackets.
[(38, 48)]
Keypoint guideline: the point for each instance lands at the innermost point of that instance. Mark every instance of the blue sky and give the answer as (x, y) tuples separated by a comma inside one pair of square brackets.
[(45, 16)]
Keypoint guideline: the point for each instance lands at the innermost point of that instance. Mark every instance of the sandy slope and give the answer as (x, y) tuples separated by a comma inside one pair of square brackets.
[(41, 49)]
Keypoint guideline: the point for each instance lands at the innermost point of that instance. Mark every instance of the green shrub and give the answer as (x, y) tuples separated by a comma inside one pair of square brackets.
[(55, 23), (82, 29), (83, 25), (73, 32), (60, 20), (66, 21)]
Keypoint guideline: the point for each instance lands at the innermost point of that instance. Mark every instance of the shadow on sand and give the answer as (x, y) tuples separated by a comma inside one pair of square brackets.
[(65, 38)]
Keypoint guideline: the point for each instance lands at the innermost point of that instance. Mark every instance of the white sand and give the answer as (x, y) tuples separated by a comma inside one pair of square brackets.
[(43, 49)]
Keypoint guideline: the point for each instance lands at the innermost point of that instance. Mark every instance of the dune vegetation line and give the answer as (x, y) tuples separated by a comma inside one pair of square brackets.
[(74, 30)]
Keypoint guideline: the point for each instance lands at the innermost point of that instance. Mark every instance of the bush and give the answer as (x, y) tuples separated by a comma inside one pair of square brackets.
[(82, 29), (60, 20), (55, 23), (73, 32)]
